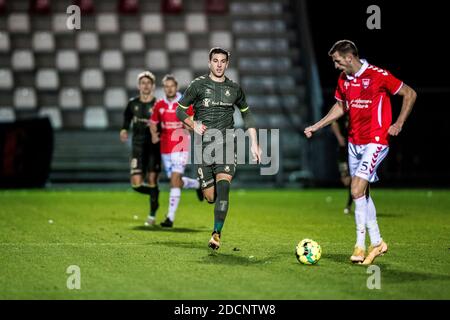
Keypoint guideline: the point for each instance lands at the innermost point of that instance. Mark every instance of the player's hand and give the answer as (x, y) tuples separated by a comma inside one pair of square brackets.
[(123, 135), (341, 141), (395, 129), (155, 139), (199, 128), (309, 131), (256, 153)]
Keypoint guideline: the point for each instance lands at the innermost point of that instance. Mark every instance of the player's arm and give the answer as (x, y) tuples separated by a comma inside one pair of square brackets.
[(409, 98), (336, 111), (249, 124), (127, 116), (337, 132)]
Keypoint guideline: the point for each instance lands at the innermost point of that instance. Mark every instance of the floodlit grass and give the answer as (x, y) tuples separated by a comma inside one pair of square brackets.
[(102, 232)]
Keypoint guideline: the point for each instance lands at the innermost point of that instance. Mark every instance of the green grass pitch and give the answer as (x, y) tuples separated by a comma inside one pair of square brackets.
[(102, 232)]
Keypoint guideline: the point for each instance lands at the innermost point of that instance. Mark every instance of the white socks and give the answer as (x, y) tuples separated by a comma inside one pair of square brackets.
[(174, 199), (366, 216), (189, 183), (360, 219), (372, 225)]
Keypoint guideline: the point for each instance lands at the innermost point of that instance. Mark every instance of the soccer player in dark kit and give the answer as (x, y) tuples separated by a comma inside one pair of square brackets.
[(145, 162), (213, 97)]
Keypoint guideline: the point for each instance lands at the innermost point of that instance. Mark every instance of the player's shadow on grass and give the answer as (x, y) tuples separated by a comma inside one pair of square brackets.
[(389, 215), (395, 275), (234, 259), (337, 257), (180, 244), (161, 229)]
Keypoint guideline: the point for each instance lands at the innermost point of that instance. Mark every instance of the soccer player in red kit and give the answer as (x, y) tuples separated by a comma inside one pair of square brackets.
[(175, 143), (363, 91)]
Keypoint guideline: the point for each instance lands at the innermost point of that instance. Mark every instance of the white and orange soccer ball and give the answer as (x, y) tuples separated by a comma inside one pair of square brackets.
[(308, 251)]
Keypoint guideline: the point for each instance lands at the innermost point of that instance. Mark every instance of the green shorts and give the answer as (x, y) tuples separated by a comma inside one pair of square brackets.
[(207, 173)]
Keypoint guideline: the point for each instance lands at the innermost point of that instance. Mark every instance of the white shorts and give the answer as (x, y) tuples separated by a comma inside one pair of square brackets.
[(363, 160), (174, 162)]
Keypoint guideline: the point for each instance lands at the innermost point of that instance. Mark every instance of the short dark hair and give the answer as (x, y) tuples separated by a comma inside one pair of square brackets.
[(344, 47), (217, 50), (168, 77)]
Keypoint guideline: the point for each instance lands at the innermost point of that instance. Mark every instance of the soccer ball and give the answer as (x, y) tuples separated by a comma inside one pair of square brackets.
[(308, 251)]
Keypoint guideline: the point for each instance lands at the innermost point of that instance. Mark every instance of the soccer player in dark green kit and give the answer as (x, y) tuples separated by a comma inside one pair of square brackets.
[(213, 97), (145, 156)]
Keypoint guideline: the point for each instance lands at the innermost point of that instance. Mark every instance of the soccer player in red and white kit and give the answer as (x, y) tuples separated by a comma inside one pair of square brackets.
[(363, 91), (175, 143)]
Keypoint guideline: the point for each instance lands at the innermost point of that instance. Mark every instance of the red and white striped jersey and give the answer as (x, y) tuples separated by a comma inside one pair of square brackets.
[(164, 112), (366, 96)]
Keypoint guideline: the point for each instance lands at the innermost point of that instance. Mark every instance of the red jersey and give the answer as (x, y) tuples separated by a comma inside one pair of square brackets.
[(164, 112), (367, 99)]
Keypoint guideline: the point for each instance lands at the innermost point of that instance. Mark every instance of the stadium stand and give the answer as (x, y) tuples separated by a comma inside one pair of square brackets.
[(82, 79)]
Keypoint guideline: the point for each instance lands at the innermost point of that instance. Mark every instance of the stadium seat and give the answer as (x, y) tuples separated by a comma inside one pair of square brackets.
[(259, 26), (232, 74), (18, 23), (217, 6), (199, 60), (177, 41), (221, 39), (184, 77), (171, 6), (5, 44), (131, 78), (115, 98), (39, 6), (196, 22), (107, 23), (47, 79), (70, 98), (157, 60), (112, 60), (3, 6), (128, 6), (22, 60), (87, 41), (152, 23), (265, 64), (6, 79), (43, 42), (262, 45), (59, 23), (67, 60), (86, 6), (25, 98), (238, 122), (132, 42), (256, 8), (54, 115), (159, 93), (7, 114), (95, 118), (92, 79)]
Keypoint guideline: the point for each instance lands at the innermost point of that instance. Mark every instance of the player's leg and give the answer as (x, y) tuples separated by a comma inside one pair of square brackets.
[(137, 170), (374, 155), (174, 198), (224, 174), (207, 182), (357, 188), (180, 160), (153, 157)]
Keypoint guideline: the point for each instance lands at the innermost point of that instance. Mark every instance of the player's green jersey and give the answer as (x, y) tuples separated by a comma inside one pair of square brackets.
[(138, 113), (214, 102)]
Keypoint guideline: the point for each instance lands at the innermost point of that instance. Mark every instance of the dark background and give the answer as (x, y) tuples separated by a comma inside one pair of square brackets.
[(412, 44)]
